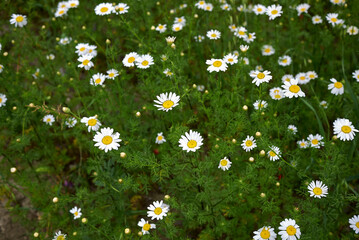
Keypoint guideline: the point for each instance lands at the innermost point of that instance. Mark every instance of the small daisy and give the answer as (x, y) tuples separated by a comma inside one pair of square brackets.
[(274, 153), (336, 88), (291, 89), (276, 93), (144, 61), (226, 7), (36, 74), (274, 11), (85, 62), (61, 12), (112, 73), (104, 9), (166, 102), (3, 99), (50, 57), (289, 230), (82, 48), (284, 60), (73, 3), (191, 141), (168, 72), (260, 77), (1, 68), (48, 119), (315, 140), (76, 212), (265, 233), (160, 138), (230, 59), (249, 37), (232, 27), (59, 236), (157, 210), (267, 50), (65, 40), (161, 28), (240, 32), (177, 27), (302, 143), (259, 9), (317, 189), (344, 129), (216, 65), (63, 5), (355, 75), (208, 7), (92, 50), (317, 19), (354, 223), (244, 48), (107, 140), (200, 88), (70, 122), (249, 143), (121, 8), (293, 129), (287, 78), (224, 164), (180, 20), (337, 2), (92, 123), (18, 20), (200, 4), (130, 59), (213, 34), (352, 30), (312, 75), (199, 38), (244, 60), (332, 18), (170, 40), (260, 105), (302, 78), (97, 79), (146, 226), (302, 8), (324, 104)]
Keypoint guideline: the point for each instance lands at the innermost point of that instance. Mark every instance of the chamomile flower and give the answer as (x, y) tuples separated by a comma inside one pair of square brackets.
[(354, 223), (199, 38), (208, 7), (317, 189), (65, 40), (324, 104), (85, 62), (230, 59), (170, 40), (315, 141), (49, 119), (265, 233), (191, 141), (240, 32), (311, 75), (276, 93), (97, 79), (260, 77), (284, 60), (168, 72), (232, 27), (82, 48), (289, 230), (144, 61), (249, 144), (344, 129), (61, 12), (302, 78), (180, 20), (249, 37), (317, 19), (200, 4), (91, 50), (177, 27), (59, 236), (73, 3), (355, 75), (337, 2), (274, 11), (226, 7), (267, 50), (333, 19), (244, 60), (200, 88), (145, 226), (302, 8), (216, 65), (92, 123), (76, 212), (293, 129), (213, 34), (104, 9), (167, 101), (259, 9), (274, 154), (291, 89), (260, 105), (160, 138), (352, 30), (70, 122), (18, 20), (303, 143), (336, 88), (161, 28), (3, 99), (50, 57), (130, 59), (121, 8), (106, 139), (157, 210), (244, 48), (36, 74), (111, 74), (224, 164), (287, 78)]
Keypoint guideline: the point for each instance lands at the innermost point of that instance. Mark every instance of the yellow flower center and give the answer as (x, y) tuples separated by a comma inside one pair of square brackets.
[(208, 8), (0, 100), (224, 162), (82, 49), (159, 138), (107, 140), (111, 74), (19, 19), (334, 19), (230, 59), (146, 227), (192, 144), (277, 96), (338, 85), (48, 120), (260, 75), (104, 9), (145, 63), (73, 4), (267, 50), (61, 237), (76, 213), (85, 62), (274, 12), (92, 122), (121, 9), (315, 141), (294, 88), (336, 1), (259, 9), (311, 76), (98, 81), (158, 211), (291, 230), (131, 59), (346, 129), (160, 27), (302, 78), (61, 12), (241, 33), (272, 154), (357, 224), (317, 191), (213, 35), (302, 144), (249, 143), (302, 9), (265, 234), (167, 104), (217, 63)]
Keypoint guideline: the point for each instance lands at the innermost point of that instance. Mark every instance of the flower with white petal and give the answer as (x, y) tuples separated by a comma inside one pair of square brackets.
[(274, 11), (317, 19), (144, 61), (302, 143), (224, 164), (289, 230), (85, 62), (191, 141), (240, 32), (177, 27), (199, 38), (249, 143), (18, 20), (336, 88), (333, 19), (106, 139), (200, 4), (59, 236), (160, 138), (167, 101), (145, 226), (287, 78), (355, 75), (274, 154), (230, 59), (260, 105), (216, 65), (267, 50), (249, 37), (312, 75), (265, 233), (49, 119), (284, 60), (120, 8), (315, 140), (317, 189), (92, 123), (161, 28), (302, 8), (157, 210), (130, 59), (291, 89), (293, 129), (3, 99), (168, 72), (354, 223), (244, 48), (352, 30), (111, 74), (344, 129), (70, 122), (104, 9), (260, 77), (208, 7), (97, 79), (324, 104), (213, 34), (76, 212), (276, 93), (259, 9), (302, 78)]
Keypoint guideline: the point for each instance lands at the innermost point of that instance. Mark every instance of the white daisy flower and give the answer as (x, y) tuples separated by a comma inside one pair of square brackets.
[(354, 223), (145, 226), (1, 68), (337, 2), (59, 236), (224, 164), (287, 78), (65, 40), (157, 210), (92, 123), (317, 19), (226, 7), (265, 233), (180, 20), (191, 141), (3, 99), (259, 9), (302, 8), (50, 57), (302, 78), (73, 3), (284, 60), (18, 20), (324, 104), (82, 48), (170, 40), (121, 8), (35, 75), (104, 9), (92, 50), (208, 7), (244, 60), (216, 65), (260, 77), (177, 27), (315, 140), (333, 19), (240, 32), (63, 5), (302, 143), (48, 119), (291, 89), (260, 105), (61, 12), (344, 129), (289, 230), (112, 73), (161, 28), (336, 88), (160, 138), (312, 75), (168, 72), (352, 30), (107, 140), (267, 50), (167, 101), (76, 212), (97, 79), (317, 189), (249, 37), (274, 11), (144, 61), (232, 27), (213, 34), (130, 59), (200, 88), (274, 154), (86, 62), (276, 93), (244, 48), (293, 129), (199, 38), (355, 75), (200, 4), (230, 59), (249, 144), (70, 122)]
